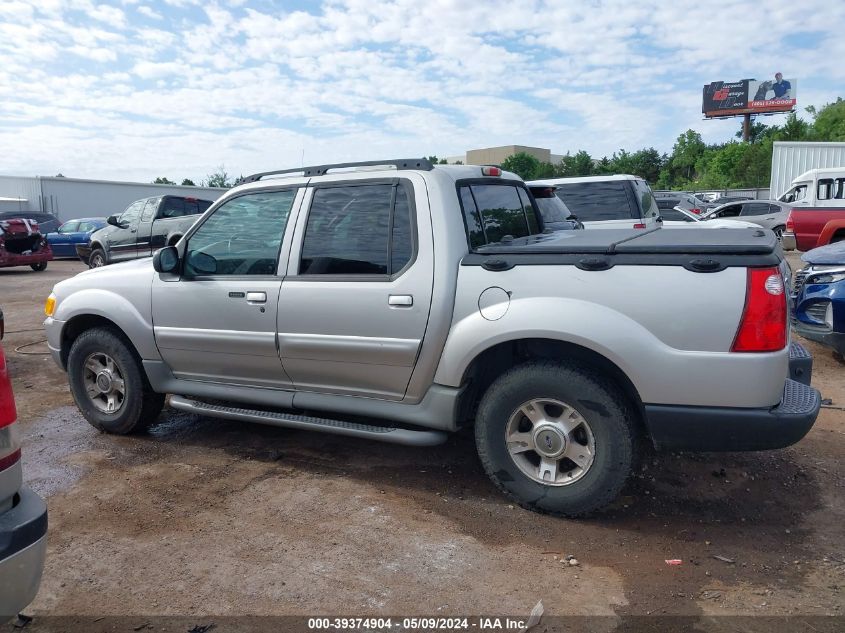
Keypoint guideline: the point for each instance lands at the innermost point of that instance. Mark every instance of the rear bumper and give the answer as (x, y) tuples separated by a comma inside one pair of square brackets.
[(23, 545), (787, 241), (8, 259), (677, 427)]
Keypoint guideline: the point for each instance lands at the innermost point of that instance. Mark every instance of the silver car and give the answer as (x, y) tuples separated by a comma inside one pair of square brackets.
[(769, 214)]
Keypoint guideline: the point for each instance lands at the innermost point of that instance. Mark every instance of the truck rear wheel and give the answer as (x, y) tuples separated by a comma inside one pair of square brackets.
[(556, 437), (108, 384)]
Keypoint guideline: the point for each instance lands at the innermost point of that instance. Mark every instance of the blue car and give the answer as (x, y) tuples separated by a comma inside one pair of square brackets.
[(818, 310), (73, 232)]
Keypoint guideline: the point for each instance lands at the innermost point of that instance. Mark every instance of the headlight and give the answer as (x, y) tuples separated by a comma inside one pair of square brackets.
[(826, 278), (50, 305)]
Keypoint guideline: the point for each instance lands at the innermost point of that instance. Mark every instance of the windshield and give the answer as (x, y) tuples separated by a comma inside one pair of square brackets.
[(798, 192), (552, 208)]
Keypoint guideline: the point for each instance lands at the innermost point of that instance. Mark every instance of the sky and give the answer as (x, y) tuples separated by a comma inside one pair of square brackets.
[(137, 89)]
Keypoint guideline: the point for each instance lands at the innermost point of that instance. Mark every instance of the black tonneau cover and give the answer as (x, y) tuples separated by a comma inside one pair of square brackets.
[(700, 250)]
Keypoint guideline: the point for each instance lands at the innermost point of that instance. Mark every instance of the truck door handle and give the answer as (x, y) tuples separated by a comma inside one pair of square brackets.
[(256, 297), (404, 301)]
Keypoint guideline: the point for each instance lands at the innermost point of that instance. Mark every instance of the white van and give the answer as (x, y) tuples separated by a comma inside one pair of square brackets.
[(817, 188)]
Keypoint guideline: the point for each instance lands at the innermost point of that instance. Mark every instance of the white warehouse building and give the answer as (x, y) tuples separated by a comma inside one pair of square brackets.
[(69, 198)]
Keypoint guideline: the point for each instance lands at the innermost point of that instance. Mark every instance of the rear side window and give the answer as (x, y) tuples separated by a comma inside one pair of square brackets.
[(755, 208), (177, 207), (646, 199), (492, 211), (595, 201), (358, 230), (825, 190)]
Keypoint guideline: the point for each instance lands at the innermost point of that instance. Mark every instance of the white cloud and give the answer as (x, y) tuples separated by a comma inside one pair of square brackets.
[(150, 12), (251, 87)]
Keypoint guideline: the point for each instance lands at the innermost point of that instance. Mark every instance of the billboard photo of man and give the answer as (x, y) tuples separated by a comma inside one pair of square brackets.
[(772, 96), (781, 87)]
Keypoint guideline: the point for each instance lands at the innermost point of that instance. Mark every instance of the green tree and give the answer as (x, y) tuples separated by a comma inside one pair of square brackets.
[(580, 164), (687, 150), (188, 182), (522, 164), (219, 178), (829, 122), (544, 170), (794, 129), (161, 180)]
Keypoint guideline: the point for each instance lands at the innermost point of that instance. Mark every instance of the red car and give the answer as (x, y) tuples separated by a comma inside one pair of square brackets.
[(22, 244)]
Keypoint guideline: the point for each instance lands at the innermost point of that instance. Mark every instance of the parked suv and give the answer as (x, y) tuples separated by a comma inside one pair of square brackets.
[(399, 301), (606, 202), (144, 226), (23, 514)]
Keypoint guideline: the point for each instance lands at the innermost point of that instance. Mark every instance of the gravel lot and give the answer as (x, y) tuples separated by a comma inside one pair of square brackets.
[(209, 517)]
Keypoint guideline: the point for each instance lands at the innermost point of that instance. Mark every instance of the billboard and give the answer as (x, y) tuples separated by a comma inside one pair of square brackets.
[(749, 96)]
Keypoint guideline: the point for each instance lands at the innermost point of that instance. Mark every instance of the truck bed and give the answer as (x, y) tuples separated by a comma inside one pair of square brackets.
[(701, 250)]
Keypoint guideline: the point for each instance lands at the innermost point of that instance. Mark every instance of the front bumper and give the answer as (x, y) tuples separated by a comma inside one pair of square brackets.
[(683, 428), (828, 338), (83, 251), (787, 241), (23, 545)]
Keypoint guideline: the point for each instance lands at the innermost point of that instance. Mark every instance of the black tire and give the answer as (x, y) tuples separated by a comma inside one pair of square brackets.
[(97, 258), (39, 267), (600, 403), (779, 231), (140, 406)]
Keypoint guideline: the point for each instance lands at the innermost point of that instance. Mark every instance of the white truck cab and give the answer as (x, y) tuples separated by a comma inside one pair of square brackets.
[(607, 202)]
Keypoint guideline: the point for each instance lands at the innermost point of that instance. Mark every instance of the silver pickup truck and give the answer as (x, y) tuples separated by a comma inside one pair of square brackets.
[(400, 301)]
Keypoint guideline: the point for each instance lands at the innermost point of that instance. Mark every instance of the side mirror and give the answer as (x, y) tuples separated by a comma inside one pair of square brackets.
[(166, 260), (112, 219), (199, 263)]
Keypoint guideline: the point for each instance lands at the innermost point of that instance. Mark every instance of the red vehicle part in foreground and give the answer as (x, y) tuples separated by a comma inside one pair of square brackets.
[(818, 226), (22, 244)]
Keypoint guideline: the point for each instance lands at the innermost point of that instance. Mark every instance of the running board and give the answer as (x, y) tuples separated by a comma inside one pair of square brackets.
[(323, 425)]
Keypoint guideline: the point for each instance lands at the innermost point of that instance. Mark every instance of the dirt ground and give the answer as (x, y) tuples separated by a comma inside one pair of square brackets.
[(210, 517)]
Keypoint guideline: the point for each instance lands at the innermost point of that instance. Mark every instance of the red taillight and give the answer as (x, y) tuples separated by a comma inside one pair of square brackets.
[(639, 225), (790, 223), (696, 211), (8, 414), (763, 326), (10, 449), (491, 171)]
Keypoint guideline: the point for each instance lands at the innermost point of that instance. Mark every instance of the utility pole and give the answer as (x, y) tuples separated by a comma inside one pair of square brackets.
[(746, 127)]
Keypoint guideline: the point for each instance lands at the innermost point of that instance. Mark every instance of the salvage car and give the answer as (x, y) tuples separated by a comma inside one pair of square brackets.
[(678, 217), (22, 244), (144, 226), (23, 514), (400, 301), (73, 232), (769, 214), (818, 291), (47, 222)]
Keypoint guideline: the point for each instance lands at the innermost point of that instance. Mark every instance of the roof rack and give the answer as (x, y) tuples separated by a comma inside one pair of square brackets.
[(421, 164)]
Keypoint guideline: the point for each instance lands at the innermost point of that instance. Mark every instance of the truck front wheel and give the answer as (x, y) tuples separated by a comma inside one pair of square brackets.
[(108, 384), (556, 437), (97, 259)]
